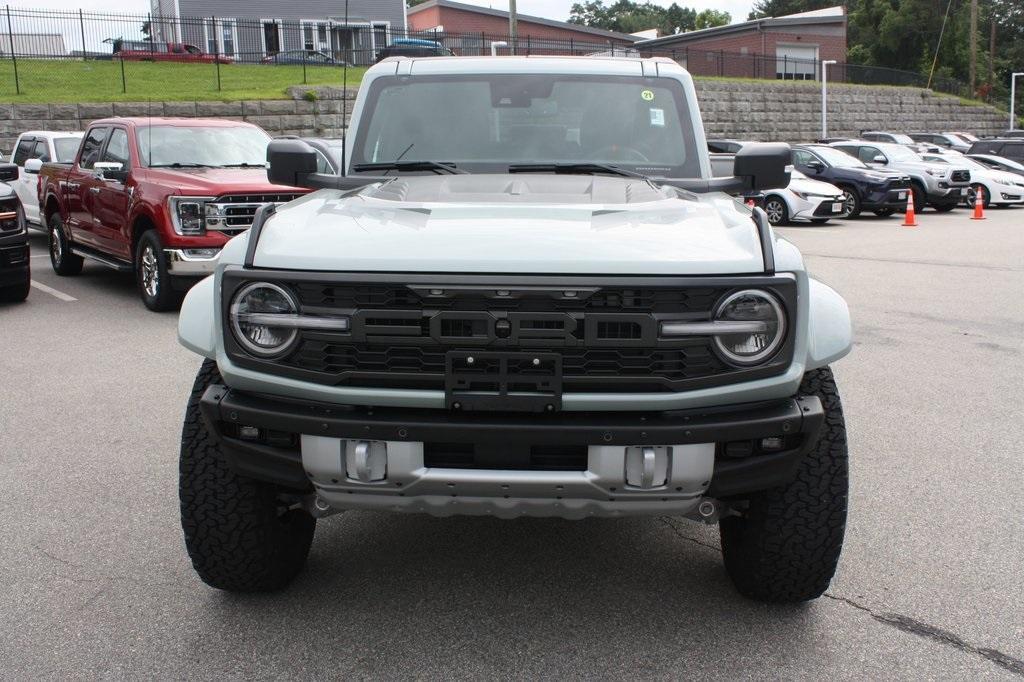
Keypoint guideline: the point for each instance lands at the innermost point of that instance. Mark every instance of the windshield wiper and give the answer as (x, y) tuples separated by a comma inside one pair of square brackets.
[(583, 167), (243, 165), (181, 165), (409, 166)]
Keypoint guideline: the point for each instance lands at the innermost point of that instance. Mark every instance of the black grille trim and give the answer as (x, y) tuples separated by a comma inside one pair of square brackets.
[(405, 347)]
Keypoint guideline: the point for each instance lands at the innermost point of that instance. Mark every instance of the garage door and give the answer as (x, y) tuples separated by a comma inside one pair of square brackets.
[(796, 62)]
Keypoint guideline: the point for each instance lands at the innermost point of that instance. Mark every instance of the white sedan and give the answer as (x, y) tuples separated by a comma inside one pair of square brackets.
[(998, 188), (804, 200)]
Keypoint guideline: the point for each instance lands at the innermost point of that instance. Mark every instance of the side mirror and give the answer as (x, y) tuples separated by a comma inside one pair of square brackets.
[(764, 166), (8, 172), (816, 166), (33, 165), (110, 170), (290, 162), (880, 159)]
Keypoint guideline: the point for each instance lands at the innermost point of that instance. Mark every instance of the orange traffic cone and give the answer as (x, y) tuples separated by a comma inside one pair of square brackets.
[(979, 204), (909, 219)]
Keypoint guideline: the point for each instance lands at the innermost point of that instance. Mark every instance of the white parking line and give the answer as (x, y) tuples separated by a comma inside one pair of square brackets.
[(53, 292)]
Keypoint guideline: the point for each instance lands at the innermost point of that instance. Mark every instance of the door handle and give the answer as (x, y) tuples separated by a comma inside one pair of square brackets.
[(94, 190)]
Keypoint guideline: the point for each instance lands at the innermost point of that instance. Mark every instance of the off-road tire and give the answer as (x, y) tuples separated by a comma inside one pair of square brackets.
[(15, 292), (785, 546), (920, 196), (237, 533), (63, 261)]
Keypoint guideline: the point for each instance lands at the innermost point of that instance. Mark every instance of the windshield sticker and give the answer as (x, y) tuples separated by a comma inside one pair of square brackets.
[(647, 95), (658, 117)]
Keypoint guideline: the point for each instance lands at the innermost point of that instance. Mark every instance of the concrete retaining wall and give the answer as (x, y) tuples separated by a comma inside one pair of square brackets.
[(769, 111)]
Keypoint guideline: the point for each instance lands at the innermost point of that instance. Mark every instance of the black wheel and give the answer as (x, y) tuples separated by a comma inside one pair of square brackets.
[(778, 212), (63, 261), (884, 212), (15, 292), (851, 202), (241, 534), (944, 208), (919, 196), (152, 275), (786, 545)]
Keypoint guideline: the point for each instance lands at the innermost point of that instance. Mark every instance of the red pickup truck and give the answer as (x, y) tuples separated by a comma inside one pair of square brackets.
[(146, 51), (158, 197)]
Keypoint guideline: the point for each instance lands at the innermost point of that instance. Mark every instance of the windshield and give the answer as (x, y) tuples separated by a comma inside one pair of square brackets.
[(966, 137), (202, 146), (898, 153), (836, 157), (66, 148), (902, 139), (486, 123)]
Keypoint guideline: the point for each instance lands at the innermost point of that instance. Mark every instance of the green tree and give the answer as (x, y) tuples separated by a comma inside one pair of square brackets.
[(627, 16), (710, 18), (780, 8)]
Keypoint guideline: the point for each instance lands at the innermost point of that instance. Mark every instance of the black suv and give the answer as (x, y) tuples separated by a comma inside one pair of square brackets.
[(864, 189), (14, 269), (1009, 148)]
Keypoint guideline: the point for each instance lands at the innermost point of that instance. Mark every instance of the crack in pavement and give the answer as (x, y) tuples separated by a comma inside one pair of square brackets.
[(108, 579), (667, 520), (916, 627)]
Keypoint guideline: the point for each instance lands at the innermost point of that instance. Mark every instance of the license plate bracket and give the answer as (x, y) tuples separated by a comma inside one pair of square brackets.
[(497, 381)]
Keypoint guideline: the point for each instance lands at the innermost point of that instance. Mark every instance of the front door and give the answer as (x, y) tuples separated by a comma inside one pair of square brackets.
[(82, 187), (271, 38), (110, 201), (25, 185)]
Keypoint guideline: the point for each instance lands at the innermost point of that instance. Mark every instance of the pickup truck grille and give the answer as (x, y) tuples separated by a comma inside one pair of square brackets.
[(961, 176), (605, 332), (235, 212)]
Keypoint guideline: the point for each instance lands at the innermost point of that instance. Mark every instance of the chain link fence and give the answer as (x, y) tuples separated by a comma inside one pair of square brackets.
[(72, 55)]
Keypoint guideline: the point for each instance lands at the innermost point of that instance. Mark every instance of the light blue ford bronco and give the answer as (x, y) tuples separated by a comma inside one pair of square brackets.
[(524, 294)]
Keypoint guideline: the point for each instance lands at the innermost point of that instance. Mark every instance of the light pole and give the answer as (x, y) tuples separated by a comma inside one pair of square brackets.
[(824, 96), (1013, 96)]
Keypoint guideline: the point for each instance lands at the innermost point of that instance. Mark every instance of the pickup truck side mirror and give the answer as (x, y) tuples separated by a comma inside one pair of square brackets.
[(880, 159), (290, 162), (33, 165), (8, 172), (110, 170), (764, 166)]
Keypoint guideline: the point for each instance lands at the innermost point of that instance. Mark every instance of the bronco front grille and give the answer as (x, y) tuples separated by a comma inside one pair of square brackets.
[(605, 331)]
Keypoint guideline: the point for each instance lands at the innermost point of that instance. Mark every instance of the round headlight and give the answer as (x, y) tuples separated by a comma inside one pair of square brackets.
[(252, 318), (767, 332)]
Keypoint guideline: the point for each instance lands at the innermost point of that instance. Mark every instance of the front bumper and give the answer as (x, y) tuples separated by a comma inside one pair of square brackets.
[(880, 197), (308, 447), (817, 208), (198, 262), (944, 192)]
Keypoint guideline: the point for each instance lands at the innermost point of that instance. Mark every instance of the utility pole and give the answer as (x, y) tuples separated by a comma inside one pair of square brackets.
[(513, 26), (824, 96), (974, 47)]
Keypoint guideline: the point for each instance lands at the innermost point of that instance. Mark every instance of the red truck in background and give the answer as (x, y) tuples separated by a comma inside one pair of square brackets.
[(158, 197), (150, 51)]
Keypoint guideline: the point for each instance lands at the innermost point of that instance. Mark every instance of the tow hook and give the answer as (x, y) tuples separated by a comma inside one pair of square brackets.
[(317, 507)]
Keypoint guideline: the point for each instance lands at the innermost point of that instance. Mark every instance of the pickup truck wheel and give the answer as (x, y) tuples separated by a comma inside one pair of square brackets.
[(919, 196), (152, 276), (239, 533), (785, 546), (63, 261), (15, 292)]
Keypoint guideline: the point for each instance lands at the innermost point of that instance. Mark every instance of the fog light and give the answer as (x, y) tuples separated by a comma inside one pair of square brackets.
[(248, 432), (366, 461), (772, 444)]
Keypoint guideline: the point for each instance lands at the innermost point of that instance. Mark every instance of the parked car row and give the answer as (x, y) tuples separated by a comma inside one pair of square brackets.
[(878, 172)]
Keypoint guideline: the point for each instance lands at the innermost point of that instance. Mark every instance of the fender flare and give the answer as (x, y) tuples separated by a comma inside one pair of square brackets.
[(196, 323), (830, 329)]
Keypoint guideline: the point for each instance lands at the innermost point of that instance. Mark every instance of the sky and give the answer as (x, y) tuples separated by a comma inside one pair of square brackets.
[(551, 9)]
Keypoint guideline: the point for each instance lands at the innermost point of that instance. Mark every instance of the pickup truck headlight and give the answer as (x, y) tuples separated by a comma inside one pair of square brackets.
[(12, 219), (765, 318), (935, 172), (255, 313), (188, 214)]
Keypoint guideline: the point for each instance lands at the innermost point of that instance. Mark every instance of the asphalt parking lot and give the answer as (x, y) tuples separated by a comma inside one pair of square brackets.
[(96, 582)]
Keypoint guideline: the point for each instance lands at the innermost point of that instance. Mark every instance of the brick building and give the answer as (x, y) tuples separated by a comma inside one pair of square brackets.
[(789, 47), (469, 29)]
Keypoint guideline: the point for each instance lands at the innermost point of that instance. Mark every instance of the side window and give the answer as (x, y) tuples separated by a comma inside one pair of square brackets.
[(867, 154), (802, 158), (117, 148), (92, 146), (24, 151), (41, 151), (1013, 151)]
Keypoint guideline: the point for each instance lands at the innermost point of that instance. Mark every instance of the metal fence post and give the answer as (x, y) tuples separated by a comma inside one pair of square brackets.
[(14, 58), (124, 83), (483, 43), (149, 22), (343, 57), (81, 26), (216, 50)]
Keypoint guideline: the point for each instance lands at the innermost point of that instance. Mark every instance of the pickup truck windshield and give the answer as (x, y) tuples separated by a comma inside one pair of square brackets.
[(188, 146), (486, 123)]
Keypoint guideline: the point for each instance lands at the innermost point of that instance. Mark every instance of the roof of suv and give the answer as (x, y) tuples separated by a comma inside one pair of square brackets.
[(612, 66)]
